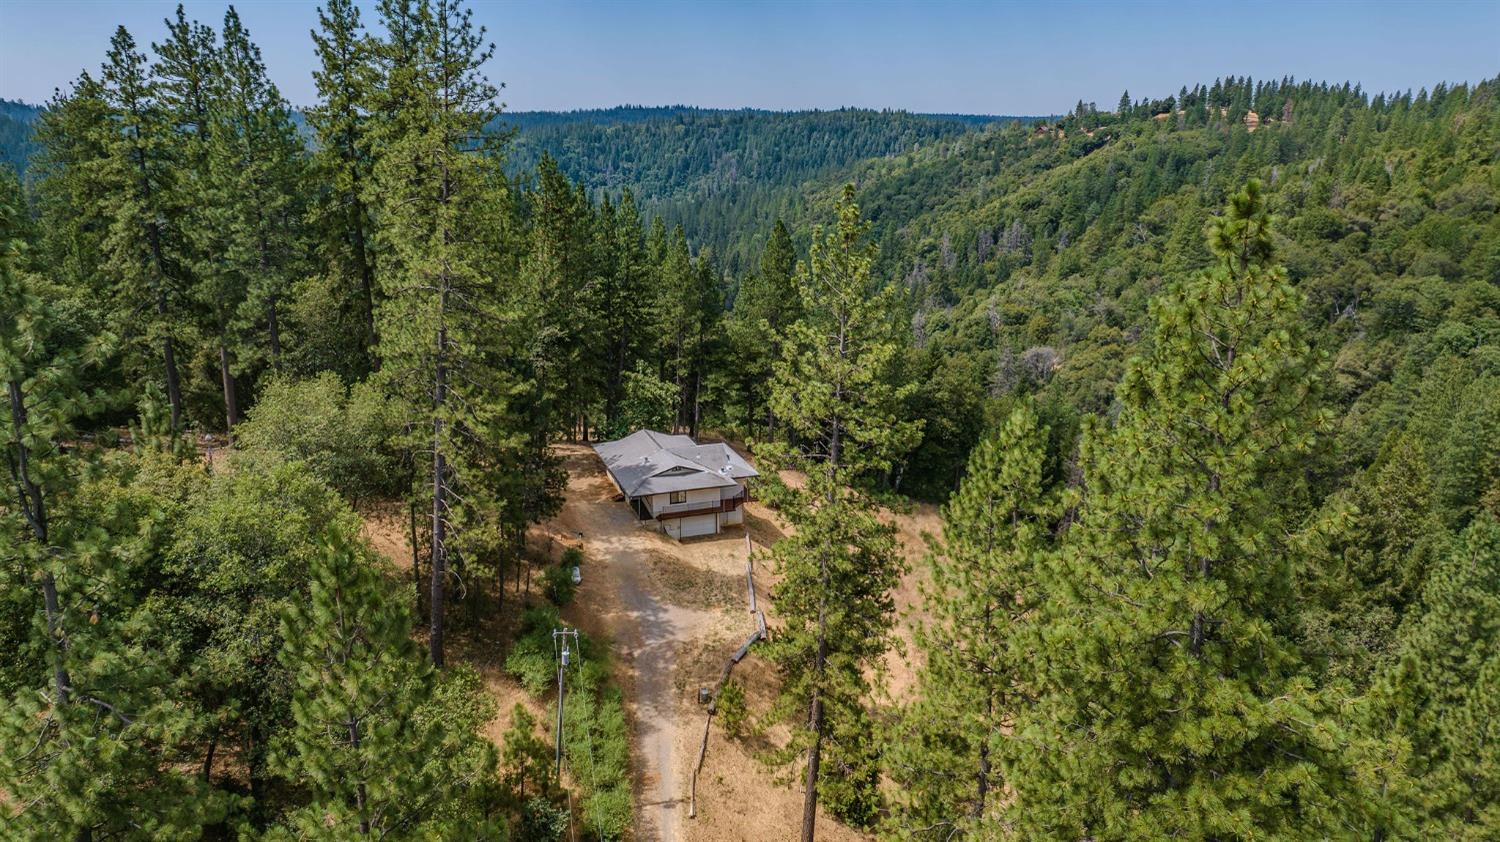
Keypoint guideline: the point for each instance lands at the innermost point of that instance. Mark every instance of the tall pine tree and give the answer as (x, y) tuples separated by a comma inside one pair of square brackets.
[(442, 204), (946, 749), (90, 745), (1171, 699), (836, 390), (364, 740), (256, 170), (343, 161), (145, 249)]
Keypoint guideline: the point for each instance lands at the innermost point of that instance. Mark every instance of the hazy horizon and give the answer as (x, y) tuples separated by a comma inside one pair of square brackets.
[(954, 58)]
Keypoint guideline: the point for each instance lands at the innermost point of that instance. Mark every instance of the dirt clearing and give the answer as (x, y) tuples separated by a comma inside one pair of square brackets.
[(672, 613)]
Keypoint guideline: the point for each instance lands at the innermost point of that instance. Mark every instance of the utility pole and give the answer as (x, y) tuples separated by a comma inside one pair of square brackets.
[(560, 647)]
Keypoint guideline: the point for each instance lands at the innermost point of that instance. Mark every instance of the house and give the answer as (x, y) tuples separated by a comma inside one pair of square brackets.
[(689, 489)]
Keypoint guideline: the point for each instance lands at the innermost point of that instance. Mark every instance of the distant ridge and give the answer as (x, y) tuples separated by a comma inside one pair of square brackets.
[(624, 114)]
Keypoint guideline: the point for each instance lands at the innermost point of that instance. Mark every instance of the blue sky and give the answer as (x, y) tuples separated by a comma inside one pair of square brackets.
[(995, 58)]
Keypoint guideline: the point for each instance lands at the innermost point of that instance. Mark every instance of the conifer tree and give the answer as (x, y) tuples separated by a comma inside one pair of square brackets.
[(946, 752), (767, 302), (253, 186), (706, 307), (689, 303), (71, 186), (1172, 701), (144, 250), (88, 747), (343, 160), (626, 297), (559, 274), (442, 203), (1440, 696), (835, 389), (360, 742)]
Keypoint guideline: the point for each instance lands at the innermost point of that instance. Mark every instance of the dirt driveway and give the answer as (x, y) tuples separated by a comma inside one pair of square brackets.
[(652, 598), (672, 613)]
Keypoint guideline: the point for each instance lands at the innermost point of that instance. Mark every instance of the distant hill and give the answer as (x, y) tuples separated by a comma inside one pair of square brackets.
[(717, 172), (646, 113), (722, 173), (16, 147)]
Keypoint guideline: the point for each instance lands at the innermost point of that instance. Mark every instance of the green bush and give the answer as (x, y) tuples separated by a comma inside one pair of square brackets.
[(607, 812), (342, 435), (557, 584), (572, 557), (542, 821), (531, 660), (595, 737), (731, 709), (599, 751)]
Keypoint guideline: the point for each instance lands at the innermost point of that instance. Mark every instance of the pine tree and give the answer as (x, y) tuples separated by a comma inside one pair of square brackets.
[(88, 749), (144, 250), (767, 302), (253, 186), (343, 160), (706, 306), (1439, 697), (1172, 701), (560, 274), (947, 747), (1357, 598), (188, 76), (442, 203), (70, 188), (835, 389), (361, 743), (625, 304)]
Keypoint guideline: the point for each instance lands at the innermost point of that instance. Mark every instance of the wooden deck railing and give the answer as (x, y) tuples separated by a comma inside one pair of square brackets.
[(725, 505)]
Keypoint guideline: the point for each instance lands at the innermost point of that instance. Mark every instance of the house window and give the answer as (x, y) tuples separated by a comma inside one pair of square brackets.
[(677, 497)]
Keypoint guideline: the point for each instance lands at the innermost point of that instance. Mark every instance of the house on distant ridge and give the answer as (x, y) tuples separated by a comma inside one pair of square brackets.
[(689, 489)]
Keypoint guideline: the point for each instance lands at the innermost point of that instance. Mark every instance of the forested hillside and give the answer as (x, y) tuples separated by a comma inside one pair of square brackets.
[(720, 174), (1032, 255), (1209, 387), (16, 120)]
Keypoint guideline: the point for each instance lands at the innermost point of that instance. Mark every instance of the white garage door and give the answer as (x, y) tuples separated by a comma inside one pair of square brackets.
[(698, 525)]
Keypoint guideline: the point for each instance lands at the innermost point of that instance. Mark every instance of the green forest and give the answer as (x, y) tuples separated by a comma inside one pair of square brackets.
[(1206, 387)]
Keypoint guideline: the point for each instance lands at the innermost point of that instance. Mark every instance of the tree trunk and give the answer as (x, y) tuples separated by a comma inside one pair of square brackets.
[(35, 508), (984, 759), (359, 789), (416, 559), (169, 353), (697, 405), (366, 277), (274, 330), (814, 754), (169, 362), (439, 523), (231, 401)]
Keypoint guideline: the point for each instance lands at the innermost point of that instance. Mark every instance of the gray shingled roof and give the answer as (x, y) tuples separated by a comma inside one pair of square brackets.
[(647, 462)]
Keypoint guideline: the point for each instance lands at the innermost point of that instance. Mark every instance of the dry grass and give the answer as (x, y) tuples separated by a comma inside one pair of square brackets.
[(698, 590)]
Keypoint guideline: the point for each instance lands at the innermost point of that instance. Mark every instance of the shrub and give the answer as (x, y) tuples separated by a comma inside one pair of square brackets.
[(599, 752), (731, 708), (595, 737), (531, 660), (572, 557), (342, 435), (557, 584), (542, 821)]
